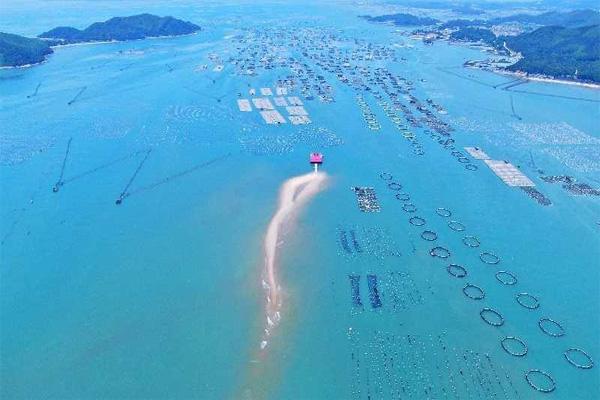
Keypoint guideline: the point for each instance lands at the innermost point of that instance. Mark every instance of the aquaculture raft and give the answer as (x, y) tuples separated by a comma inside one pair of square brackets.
[(367, 199)]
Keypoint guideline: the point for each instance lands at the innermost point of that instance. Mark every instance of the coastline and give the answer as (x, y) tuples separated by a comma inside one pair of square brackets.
[(546, 79), (8, 67), (58, 46), (94, 42), (521, 74)]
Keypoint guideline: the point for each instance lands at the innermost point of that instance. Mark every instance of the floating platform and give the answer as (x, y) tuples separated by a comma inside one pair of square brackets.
[(272, 117), (296, 110), (280, 102), (509, 173), (299, 119), (295, 101), (263, 103), (266, 91), (244, 105), (477, 153)]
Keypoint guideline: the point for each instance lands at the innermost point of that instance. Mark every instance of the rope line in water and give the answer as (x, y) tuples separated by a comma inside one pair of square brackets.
[(100, 167), (124, 193), (506, 83), (178, 175), (35, 92), (518, 82), (60, 182), (558, 96), (74, 99)]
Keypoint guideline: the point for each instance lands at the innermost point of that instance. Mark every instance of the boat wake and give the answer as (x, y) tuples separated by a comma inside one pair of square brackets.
[(294, 194)]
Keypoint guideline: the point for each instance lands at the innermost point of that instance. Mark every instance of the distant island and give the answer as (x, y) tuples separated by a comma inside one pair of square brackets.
[(571, 19), (123, 28), (18, 50), (402, 19)]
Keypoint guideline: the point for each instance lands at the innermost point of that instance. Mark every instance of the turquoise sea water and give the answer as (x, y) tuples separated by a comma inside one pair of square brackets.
[(161, 296)]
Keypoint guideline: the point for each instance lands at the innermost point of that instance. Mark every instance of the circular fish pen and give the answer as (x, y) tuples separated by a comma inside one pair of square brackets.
[(417, 221), (506, 278), (514, 346), (471, 241), (540, 380), (395, 186), (570, 355), (386, 176), (430, 236), (440, 252), (457, 271), (491, 317), (471, 167), (456, 226), (409, 207), (489, 258), (403, 196), (473, 292), (443, 212), (463, 160), (551, 327), (528, 301)]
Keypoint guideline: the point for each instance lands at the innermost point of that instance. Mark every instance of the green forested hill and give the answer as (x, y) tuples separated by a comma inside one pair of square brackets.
[(559, 52), (18, 50), (124, 28)]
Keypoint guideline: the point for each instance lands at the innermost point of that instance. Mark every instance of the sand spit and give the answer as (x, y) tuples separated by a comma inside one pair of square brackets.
[(294, 194)]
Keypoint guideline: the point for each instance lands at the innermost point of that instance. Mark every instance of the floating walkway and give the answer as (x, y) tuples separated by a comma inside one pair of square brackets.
[(263, 103), (299, 119), (509, 173), (274, 114), (244, 105), (477, 153), (280, 102), (296, 110), (295, 101), (273, 117)]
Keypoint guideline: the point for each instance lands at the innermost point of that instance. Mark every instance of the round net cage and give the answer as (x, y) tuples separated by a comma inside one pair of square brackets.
[(440, 252), (579, 358), (456, 226), (443, 212), (540, 380), (429, 236), (551, 327), (473, 292), (489, 258), (457, 271), (506, 278), (528, 300), (417, 221), (471, 241), (491, 317), (514, 346)]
